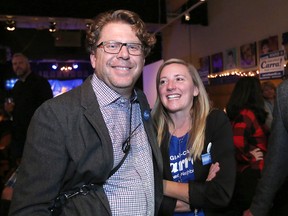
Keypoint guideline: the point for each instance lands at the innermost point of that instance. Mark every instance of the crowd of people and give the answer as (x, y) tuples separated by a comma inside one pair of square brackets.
[(100, 149)]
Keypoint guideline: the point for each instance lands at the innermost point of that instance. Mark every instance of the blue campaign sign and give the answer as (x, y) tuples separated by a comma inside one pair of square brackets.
[(272, 65)]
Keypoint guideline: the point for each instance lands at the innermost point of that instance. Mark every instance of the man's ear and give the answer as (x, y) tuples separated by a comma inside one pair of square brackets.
[(92, 60)]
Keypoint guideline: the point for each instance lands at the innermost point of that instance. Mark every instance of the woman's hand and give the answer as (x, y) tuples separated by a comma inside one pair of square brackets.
[(214, 168), (257, 154), (180, 191), (182, 206)]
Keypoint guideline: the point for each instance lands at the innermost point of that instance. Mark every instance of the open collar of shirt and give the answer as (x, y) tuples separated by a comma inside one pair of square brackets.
[(107, 96)]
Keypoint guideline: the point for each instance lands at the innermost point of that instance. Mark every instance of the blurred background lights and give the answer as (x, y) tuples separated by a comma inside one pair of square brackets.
[(52, 27), (54, 66), (10, 25), (75, 66), (65, 66)]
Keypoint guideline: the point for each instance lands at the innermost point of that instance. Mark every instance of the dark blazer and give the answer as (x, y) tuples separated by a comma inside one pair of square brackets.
[(214, 195), (275, 169), (69, 145)]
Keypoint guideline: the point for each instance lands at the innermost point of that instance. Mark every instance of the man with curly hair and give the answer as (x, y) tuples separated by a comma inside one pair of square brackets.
[(93, 151)]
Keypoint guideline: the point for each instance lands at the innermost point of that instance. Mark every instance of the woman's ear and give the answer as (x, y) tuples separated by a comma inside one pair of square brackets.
[(196, 91)]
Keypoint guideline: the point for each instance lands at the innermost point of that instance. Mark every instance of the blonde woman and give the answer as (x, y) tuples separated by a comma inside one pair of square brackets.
[(196, 144)]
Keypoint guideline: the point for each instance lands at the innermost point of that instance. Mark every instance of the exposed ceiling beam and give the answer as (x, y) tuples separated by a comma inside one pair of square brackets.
[(179, 16)]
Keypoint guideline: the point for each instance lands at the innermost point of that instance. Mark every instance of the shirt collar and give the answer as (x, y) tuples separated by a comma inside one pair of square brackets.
[(106, 95)]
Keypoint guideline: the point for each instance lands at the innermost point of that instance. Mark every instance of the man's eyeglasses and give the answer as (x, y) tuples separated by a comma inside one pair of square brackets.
[(114, 47)]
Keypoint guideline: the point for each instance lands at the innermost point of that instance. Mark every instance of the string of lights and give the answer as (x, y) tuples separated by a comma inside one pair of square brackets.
[(53, 24), (233, 73)]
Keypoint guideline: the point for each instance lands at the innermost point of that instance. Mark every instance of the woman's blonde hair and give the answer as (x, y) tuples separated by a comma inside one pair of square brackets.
[(199, 112)]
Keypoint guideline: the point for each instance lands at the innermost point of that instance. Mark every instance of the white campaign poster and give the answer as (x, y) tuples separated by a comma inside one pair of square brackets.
[(272, 65), (149, 81)]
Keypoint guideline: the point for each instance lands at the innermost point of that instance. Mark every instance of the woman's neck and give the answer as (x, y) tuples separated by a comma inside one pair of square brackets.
[(181, 125)]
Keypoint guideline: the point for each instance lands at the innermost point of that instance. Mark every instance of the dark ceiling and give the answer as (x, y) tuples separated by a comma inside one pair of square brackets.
[(38, 43), (151, 11), (32, 17)]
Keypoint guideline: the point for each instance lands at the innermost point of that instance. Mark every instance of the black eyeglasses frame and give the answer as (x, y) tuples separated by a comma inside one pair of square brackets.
[(128, 45)]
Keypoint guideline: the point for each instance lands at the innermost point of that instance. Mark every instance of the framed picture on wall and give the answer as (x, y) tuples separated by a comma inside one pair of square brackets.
[(248, 55), (217, 62), (204, 64), (230, 59), (204, 69), (268, 45)]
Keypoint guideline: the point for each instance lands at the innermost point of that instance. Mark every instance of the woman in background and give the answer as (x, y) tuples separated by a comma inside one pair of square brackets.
[(247, 114), (195, 142), (269, 94)]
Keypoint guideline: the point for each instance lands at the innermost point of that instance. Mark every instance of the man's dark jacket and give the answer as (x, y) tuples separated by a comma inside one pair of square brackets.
[(69, 145)]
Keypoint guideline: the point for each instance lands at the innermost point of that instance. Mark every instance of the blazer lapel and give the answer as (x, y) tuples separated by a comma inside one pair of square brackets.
[(94, 116)]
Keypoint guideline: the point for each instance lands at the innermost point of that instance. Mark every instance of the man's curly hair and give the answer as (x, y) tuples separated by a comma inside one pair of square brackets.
[(123, 16)]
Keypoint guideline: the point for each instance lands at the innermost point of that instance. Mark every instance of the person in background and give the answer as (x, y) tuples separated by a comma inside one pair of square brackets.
[(272, 190), (7, 193), (271, 194), (28, 93), (5, 140), (247, 114), (269, 94), (93, 150), (196, 144)]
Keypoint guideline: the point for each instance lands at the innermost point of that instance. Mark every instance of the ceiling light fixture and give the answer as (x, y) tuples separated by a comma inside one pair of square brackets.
[(75, 66), (52, 27), (10, 25), (187, 16), (54, 66)]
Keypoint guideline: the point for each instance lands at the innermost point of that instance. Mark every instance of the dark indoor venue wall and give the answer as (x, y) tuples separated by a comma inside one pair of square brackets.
[(62, 45), (85, 8), (42, 47)]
